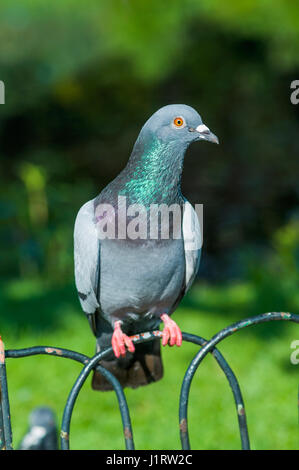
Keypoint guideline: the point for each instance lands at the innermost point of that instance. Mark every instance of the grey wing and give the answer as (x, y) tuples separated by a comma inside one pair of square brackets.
[(192, 243), (86, 255)]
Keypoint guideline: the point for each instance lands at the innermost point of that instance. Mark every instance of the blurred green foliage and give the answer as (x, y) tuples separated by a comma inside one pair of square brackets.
[(80, 81)]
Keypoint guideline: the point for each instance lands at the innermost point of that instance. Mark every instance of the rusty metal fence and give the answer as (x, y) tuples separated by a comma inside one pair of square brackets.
[(206, 346)]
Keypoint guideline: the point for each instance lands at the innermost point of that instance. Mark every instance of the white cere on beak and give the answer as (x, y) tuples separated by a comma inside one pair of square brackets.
[(202, 128)]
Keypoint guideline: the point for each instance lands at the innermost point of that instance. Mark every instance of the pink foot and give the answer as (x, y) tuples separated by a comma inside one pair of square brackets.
[(171, 332), (120, 341)]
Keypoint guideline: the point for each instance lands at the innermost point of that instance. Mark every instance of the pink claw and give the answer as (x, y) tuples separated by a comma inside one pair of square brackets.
[(120, 341), (171, 332)]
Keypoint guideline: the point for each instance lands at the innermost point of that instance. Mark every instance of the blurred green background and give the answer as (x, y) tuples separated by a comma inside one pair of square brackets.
[(80, 82)]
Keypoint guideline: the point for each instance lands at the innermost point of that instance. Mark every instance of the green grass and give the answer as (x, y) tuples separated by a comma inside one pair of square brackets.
[(34, 313)]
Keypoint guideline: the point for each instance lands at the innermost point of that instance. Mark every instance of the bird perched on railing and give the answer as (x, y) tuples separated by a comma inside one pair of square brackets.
[(131, 270)]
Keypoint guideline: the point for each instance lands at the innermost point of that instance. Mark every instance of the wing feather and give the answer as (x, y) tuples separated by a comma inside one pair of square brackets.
[(192, 243), (86, 255)]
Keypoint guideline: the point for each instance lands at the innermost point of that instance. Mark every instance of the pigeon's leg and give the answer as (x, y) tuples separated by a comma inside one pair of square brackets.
[(120, 341), (171, 332)]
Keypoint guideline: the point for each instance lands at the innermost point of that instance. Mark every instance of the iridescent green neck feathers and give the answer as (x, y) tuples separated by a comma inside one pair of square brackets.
[(153, 173)]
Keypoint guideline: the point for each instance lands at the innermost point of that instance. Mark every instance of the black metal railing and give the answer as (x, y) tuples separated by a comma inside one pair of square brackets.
[(207, 346)]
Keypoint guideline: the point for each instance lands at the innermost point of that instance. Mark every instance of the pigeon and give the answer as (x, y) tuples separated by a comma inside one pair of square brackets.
[(42, 433), (133, 262)]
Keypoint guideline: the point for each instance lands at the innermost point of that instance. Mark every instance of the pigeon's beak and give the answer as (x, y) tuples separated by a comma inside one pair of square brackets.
[(206, 134)]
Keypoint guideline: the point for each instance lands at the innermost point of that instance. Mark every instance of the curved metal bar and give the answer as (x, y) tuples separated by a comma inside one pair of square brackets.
[(69, 354), (6, 432), (68, 410), (208, 347), (144, 337), (47, 350), (233, 382), (123, 407)]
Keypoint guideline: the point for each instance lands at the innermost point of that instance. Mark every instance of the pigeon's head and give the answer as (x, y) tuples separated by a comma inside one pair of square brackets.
[(178, 122)]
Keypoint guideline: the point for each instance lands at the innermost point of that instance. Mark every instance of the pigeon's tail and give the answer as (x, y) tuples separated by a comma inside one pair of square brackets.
[(135, 369)]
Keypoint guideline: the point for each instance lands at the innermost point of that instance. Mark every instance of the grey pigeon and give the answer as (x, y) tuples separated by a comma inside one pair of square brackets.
[(42, 433), (130, 274)]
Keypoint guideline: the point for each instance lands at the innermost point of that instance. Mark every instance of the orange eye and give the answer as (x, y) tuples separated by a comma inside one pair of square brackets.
[(178, 121)]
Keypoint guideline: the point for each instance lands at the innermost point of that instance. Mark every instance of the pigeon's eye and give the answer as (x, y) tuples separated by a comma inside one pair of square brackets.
[(178, 121)]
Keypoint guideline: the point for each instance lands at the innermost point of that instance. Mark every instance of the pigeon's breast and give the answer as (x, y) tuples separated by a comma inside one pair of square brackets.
[(140, 280)]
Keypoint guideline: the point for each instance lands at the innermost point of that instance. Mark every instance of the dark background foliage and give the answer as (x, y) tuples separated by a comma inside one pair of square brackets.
[(79, 85)]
